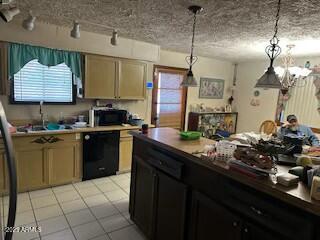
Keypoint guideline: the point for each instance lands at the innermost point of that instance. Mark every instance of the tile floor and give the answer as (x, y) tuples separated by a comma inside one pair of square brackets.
[(89, 210)]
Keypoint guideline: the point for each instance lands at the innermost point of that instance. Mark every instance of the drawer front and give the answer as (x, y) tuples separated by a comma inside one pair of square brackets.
[(165, 163), (45, 140), (269, 213)]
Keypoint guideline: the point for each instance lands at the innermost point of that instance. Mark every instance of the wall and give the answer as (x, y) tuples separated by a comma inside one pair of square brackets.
[(248, 73), (205, 67), (58, 37)]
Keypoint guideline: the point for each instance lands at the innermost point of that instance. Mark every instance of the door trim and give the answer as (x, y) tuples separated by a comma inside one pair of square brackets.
[(154, 92)]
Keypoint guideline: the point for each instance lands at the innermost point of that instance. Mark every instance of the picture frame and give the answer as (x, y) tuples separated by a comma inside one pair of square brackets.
[(211, 88)]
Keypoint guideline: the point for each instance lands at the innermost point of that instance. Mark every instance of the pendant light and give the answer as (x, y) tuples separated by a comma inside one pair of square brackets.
[(29, 22), (270, 78), (8, 14), (75, 32), (189, 80), (114, 38)]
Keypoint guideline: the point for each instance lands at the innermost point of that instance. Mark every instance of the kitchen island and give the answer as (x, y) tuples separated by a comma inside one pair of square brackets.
[(175, 195)]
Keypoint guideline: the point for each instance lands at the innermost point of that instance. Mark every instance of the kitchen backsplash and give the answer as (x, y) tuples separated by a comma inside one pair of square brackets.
[(16, 112)]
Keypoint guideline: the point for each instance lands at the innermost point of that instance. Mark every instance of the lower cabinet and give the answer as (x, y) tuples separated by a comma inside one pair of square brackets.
[(125, 153), (63, 163), (142, 196), (31, 168), (209, 220), (158, 203), (44, 161), (3, 175)]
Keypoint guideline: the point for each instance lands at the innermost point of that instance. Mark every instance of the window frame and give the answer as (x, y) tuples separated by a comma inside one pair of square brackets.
[(13, 101)]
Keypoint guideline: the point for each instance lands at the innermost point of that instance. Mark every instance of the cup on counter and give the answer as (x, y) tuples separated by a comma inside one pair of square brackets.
[(144, 128), (81, 118)]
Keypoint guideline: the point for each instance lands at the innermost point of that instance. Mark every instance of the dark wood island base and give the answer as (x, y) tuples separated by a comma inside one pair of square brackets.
[(176, 195)]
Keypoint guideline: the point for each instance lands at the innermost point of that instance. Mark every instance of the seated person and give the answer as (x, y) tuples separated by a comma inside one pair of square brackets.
[(293, 127)]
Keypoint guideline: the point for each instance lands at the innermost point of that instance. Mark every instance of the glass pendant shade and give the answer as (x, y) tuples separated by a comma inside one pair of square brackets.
[(189, 80), (269, 80)]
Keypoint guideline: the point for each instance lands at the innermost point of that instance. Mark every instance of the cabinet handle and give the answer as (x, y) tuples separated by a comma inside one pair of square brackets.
[(43, 140), (246, 230), (257, 211), (235, 224)]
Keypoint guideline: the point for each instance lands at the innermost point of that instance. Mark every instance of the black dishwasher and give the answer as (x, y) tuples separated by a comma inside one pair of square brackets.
[(100, 154)]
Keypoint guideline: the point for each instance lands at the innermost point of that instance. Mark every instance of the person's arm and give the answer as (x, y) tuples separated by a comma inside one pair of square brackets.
[(312, 137), (281, 132)]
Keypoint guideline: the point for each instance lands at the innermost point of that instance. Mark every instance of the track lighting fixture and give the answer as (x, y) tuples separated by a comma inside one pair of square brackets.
[(75, 32), (8, 14), (28, 23), (114, 38)]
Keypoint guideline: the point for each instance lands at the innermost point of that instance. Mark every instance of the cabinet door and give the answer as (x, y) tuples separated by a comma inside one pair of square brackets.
[(142, 196), (132, 80), (63, 163), (171, 197), (3, 172), (32, 168), (253, 232), (125, 153), (100, 77), (209, 220)]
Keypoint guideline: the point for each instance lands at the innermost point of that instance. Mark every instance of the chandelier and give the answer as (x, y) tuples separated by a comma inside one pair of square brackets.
[(189, 80), (290, 75)]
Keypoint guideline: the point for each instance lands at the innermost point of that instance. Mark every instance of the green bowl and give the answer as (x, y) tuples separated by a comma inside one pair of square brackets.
[(190, 135)]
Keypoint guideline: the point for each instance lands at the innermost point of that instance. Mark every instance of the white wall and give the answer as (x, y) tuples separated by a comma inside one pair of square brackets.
[(58, 37), (248, 73)]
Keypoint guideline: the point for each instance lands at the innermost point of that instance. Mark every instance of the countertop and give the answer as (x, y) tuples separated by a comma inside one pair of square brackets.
[(77, 130), (169, 139)]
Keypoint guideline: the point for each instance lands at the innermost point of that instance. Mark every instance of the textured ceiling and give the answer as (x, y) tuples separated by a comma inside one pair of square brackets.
[(226, 29)]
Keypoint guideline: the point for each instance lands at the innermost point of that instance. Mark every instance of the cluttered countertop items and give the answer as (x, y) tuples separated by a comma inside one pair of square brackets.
[(102, 118), (260, 155)]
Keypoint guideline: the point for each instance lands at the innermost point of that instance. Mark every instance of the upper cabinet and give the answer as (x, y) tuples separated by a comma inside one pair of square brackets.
[(112, 78), (100, 77)]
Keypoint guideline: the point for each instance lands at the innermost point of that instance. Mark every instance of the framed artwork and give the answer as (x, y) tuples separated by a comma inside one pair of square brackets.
[(211, 88)]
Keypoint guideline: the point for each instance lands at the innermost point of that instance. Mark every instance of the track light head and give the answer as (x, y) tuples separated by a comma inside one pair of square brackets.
[(114, 38), (28, 23), (75, 32), (8, 14)]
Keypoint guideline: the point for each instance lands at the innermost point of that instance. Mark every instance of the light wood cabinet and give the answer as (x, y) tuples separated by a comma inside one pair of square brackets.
[(63, 163), (101, 74), (132, 80), (114, 78), (31, 168), (125, 153), (48, 160), (3, 172)]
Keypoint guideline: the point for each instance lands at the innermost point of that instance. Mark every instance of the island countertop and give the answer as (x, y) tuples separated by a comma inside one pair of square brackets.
[(169, 139)]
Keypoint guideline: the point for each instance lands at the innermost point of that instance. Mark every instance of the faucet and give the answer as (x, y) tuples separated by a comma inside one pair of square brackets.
[(41, 114)]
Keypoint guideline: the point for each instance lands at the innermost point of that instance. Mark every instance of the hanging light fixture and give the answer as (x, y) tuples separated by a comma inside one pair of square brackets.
[(189, 80), (290, 75), (8, 14), (114, 38), (270, 78), (28, 23), (75, 32)]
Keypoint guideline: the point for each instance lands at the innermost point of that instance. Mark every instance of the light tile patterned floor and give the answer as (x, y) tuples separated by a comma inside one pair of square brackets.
[(89, 210)]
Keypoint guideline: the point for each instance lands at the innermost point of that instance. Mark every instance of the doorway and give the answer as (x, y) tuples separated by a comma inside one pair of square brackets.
[(168, 97)]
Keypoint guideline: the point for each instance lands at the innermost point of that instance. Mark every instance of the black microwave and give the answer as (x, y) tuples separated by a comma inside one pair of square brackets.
[(107, 117)]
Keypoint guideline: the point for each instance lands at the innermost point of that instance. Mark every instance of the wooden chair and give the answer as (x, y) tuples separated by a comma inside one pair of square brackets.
[(268, 127)]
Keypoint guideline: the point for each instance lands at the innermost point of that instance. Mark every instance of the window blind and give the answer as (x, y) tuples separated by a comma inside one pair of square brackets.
[(304, 104), (36, 82)]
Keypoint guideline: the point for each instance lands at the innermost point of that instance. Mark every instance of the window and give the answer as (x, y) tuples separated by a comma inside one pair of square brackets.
[(304, 103), (36, 82)]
